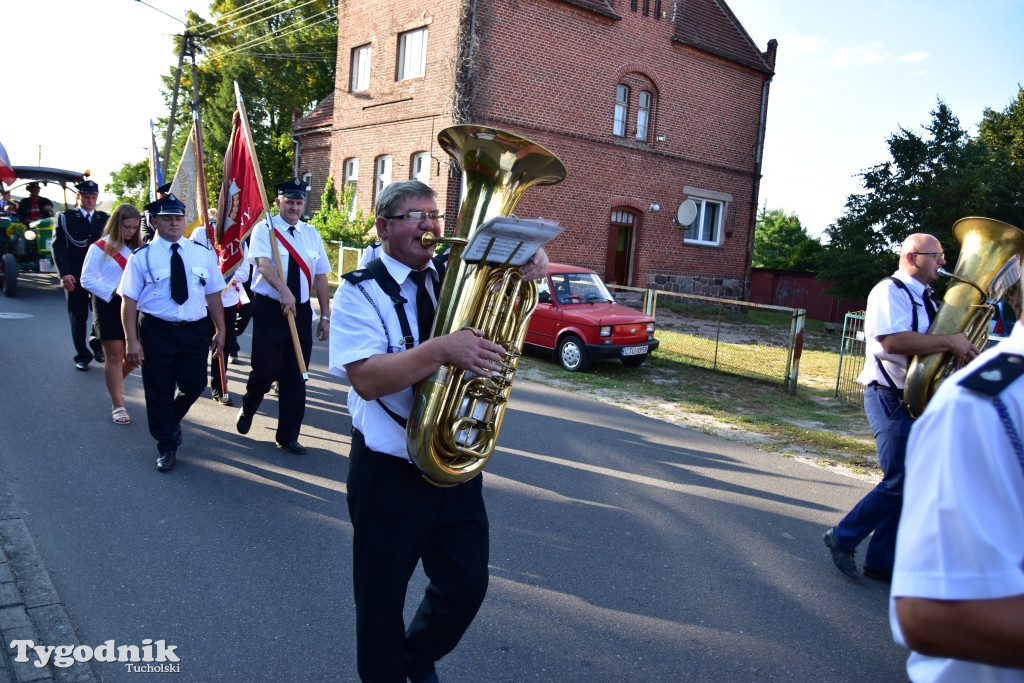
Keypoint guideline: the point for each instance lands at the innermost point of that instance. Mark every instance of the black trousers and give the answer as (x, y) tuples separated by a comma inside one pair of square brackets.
[(230, 341), (175, 356), (399, 519), (273, 360), (79, 305)]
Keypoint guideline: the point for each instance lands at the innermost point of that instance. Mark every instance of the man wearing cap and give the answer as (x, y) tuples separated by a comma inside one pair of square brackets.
[(147, 226), (76, 229), (168, 287), (304, 269), (34, 207)]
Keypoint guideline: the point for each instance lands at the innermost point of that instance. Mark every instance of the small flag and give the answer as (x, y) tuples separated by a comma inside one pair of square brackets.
[(185, 185), (240, 205), (7, 174)]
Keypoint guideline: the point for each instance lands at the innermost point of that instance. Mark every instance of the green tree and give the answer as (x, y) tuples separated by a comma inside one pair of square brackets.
[(931, 182), (780, 241), (130, 184), (335, 220), (283, 58), (1003, 133)]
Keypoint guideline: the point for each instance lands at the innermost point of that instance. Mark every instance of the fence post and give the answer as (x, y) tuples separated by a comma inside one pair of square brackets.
[(796, 347)]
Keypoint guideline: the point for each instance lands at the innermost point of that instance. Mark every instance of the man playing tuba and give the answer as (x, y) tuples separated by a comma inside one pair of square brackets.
[(899, 310), (382, 346)]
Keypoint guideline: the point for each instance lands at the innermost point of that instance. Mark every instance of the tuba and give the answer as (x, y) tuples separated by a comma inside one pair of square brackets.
[(988, 246), (456, 415)]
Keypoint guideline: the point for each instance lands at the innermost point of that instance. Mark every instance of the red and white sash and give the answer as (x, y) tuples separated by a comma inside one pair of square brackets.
[(303, 266), (121, 260)]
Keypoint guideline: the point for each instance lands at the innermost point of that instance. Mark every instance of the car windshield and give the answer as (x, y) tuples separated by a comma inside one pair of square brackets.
[(579, 288)]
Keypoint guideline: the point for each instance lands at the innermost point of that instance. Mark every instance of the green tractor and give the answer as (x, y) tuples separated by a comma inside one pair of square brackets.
[(26, 248)]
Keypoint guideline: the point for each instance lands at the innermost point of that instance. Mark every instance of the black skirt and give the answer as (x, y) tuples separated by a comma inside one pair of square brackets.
[(108, 318)]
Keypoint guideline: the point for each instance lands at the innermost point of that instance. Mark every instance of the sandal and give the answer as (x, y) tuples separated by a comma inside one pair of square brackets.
[(120, 416)]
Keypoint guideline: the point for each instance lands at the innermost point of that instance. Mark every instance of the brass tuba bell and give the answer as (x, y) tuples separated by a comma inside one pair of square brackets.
[(453, 426), (987, 246)]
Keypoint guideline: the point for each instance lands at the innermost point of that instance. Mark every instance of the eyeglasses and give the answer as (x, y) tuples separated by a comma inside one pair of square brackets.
[(417, 216), (933, 254)]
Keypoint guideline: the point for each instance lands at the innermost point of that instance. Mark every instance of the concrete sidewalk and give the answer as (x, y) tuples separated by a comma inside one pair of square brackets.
[(30, 608)]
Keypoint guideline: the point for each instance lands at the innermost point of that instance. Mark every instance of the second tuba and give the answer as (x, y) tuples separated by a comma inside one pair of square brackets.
[(986, 247), (455, 418)]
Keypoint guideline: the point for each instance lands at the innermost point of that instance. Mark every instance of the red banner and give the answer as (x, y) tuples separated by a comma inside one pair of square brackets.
[(7, 174), (240, 205)]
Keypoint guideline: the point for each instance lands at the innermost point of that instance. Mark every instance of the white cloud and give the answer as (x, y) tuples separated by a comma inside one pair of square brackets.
[(860, 55), (793, 45), (913, 57)]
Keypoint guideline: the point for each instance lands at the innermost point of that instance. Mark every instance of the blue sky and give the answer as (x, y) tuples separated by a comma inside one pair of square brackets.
[(848, 75)]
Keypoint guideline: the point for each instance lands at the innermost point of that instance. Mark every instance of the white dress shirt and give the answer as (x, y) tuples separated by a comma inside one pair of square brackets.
[(365, 324), (101, 273), (890, 311), (308, 244), (961, 533), (147, 280)]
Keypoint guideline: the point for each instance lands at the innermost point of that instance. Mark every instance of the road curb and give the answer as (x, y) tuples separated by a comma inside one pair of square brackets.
[(30, 608)]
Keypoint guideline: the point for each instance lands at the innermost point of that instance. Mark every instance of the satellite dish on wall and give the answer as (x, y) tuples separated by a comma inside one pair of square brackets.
[(687, 212)]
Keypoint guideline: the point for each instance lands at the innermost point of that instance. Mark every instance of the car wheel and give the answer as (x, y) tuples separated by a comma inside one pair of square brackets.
[(9, 275), (572, 355), (634, 361)]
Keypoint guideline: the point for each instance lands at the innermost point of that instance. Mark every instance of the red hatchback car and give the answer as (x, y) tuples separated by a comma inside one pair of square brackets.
[(578, 320)]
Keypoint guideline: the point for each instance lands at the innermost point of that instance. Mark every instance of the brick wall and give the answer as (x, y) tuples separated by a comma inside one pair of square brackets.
[(548, 70), (315, 159)]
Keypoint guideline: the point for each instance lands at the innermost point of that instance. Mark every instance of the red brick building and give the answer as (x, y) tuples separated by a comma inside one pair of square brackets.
[(649, 103)]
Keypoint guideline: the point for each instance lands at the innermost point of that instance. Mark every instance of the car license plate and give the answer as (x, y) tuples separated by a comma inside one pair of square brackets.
[(634, 350)]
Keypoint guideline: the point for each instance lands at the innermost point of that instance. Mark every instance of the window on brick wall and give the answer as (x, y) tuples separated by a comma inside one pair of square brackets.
[(647, 4), (621, 107), (412, 54), (360, 69), (421, 167), (351, 182), (383, 176), (706, 228), (643, 115)]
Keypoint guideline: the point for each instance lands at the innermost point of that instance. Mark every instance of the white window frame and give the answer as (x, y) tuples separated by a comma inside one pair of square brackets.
[(383, 173), (412, 54), (360, 76), (707, 227), (621, 108), (351, 179), (421, 167), (643, 114)]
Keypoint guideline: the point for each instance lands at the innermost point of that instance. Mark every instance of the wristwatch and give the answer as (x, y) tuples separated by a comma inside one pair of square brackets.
[(325, 318)]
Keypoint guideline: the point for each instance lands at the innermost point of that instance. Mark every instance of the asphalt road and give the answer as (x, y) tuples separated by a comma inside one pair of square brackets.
[(622, 548)]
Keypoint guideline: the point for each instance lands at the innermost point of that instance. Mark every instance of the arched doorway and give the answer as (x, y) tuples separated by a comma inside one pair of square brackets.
[(622, 236)]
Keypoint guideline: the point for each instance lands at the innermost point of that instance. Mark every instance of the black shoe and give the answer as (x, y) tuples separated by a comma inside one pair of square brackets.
[(292, 447), (426, 678), (842, 557), (243, 422), (99, 357), (165, 461), (233, 359), (224, 400), (883, 575), (81, 365)]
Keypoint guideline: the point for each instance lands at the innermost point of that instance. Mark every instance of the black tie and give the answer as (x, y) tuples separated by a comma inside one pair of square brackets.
[(179, 285), (424, 304), (929, 303), (293, 272)]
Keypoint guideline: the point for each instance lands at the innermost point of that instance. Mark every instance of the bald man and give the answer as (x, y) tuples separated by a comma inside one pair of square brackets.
[(900, 309)]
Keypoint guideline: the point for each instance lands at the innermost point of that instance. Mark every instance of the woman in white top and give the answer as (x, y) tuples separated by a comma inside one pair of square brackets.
[(101, 275)]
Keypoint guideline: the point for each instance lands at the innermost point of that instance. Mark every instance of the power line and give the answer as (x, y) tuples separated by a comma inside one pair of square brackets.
[(279, 3), (261, 40)]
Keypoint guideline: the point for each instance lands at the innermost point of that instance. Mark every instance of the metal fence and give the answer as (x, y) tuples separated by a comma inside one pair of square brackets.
[(344, 257), (851, 359), (718, 333)]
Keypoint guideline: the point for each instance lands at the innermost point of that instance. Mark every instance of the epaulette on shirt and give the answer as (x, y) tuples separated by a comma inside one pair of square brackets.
[(995, 375), (141, 248), (354, 277)]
